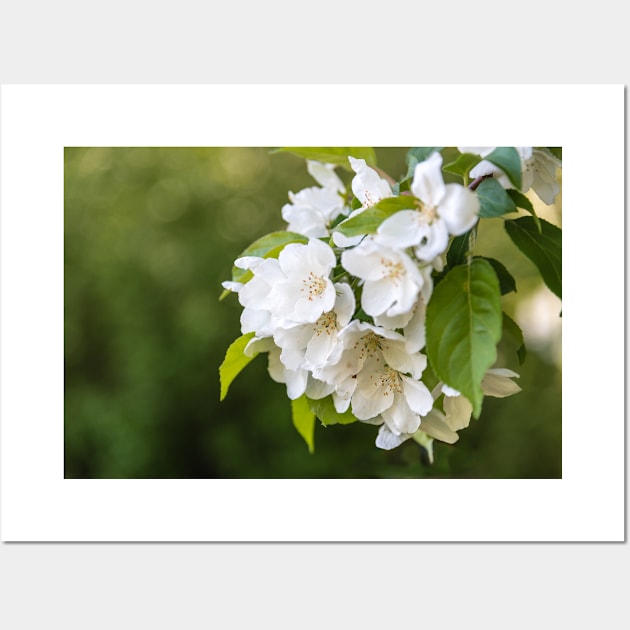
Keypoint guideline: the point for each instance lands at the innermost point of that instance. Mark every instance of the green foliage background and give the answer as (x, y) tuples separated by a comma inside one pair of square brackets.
[(150, 233)]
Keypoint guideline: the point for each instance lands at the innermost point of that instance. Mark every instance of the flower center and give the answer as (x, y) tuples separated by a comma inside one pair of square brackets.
[(388, 381), (314, 286), (370, 346), (427, 213), (327, 323), (393, 270)]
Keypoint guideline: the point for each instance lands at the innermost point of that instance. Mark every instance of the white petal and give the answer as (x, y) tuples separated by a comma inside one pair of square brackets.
[(345, 304), (457, 410), (370, 397), (324, 175), (434, 241), (292, 359), (398, 356), (319, 347), (235, 287), (248, 262), (316, 389), (293, 337), (434, 425), (393, 322), (296, 383), (378, 296), (388, 440), (399, 417), (256, 321), (346, 241), (275, 368), (304, 221), (367, 404), (414, 331), (459, 209), (362, 261), (402, 229), (428, 183), (450, 391), (499, 384), (417, 395), (321, 253), (367, 185), (309, 309), (484, 168)]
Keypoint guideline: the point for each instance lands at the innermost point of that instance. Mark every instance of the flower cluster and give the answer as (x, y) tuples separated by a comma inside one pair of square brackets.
[(339, 300)]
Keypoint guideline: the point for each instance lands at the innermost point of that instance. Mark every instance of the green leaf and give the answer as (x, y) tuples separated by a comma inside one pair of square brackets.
[(509, 161), (463, 164), (235, 360), (522, 201), (332, 155), (367, 222), (304, 421), (458, 251), (268, 246), (512, 330), (507, 284), (494, 199), (463, 327), (543, 248), (325, 410)]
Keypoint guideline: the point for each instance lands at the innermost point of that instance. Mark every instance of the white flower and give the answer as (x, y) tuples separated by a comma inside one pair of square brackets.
[(309, 345), (312, 210), (306, 290), (358, 343), (369, 188), (538, 170), (292, 289), (257, 315), (458, 409), (443, 210), (392, 280), (367, 185), (384, 394)]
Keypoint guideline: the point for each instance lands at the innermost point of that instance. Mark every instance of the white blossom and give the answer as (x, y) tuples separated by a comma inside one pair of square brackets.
[(313, 209), (442, 210), (309, 345), (369, 188), (360, 342), (384, 394), (392, 281)]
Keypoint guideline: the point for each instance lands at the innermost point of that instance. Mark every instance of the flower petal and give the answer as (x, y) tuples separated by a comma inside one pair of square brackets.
[(388, 440), (428, 183), (498, 383), (399, 417), (324, 175), (402, 229), (434, 425), (378, 296), (433, 242), (459, 209), (417, 395), (367, 185), (457, 410)]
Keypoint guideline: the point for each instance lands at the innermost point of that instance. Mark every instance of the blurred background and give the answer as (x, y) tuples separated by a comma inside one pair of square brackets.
[(150, 234)]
